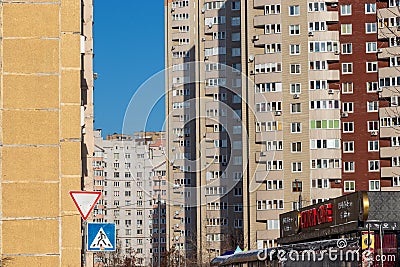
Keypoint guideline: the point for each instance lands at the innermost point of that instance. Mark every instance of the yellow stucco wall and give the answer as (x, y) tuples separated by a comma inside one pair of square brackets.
[(40, 122)]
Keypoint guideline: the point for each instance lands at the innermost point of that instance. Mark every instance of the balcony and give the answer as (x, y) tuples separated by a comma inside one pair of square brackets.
[(390, 171), (263, 39), (330, 75), (260, 21), (328, 16), (388, 152), (262, 176)]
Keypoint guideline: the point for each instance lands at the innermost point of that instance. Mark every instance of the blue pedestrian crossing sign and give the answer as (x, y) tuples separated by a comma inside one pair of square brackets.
[(101, 237)]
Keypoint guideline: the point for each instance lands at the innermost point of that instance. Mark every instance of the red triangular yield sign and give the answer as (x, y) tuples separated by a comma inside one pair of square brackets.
[(85, 201)]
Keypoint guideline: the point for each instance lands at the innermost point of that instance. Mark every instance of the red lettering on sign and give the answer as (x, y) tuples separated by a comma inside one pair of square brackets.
[(316, 216)]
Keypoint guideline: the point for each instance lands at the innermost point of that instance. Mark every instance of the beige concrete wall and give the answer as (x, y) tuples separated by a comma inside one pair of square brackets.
[(40, 132)]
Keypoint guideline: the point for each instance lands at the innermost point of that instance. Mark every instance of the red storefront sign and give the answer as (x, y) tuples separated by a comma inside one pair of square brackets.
[(316, 216)]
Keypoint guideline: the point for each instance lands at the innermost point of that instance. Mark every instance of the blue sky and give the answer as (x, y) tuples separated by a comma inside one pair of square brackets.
[(126, 34)]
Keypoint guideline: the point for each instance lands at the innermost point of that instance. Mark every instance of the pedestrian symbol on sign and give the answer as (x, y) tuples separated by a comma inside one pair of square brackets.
[(101, 237), (101, 241)]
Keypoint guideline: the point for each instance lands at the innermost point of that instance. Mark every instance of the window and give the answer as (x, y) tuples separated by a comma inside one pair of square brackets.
[(348, 147), (274, 184), (294, 49), (294, 29), (236, 52), (349, 186), (373, 145), (325, 124), (374, 185), (273, 224), (348, 107), (296, 147), (373, 126), (372, 66), (236, 37), (272, 28), (297, 186), (320, 183), (349, 166), (238, 223), (236, 5), (395, 141), (373, 165), (317, 26), (323, 46), (347, 88), (372, 87), (295, 127), (347, 68), (238, 208), (371, 47), (295, 88), (370, 8), (274, 165), (296, 166), (319, 84), (345, 10), (294, 10), (273, 48), (372, 106), (324, 144), (347, 48), (396, 181), (295, 108), (348, 127), (219, 35), (272, 9), (238, 191), (295, 68), (346, 29), (316, 7), (370, 27), (274, 145), (235, 21)]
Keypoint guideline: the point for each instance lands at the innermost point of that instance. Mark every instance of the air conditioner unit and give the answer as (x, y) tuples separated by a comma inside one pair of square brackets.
[(334, 5), (224, 164), (331, 91), (296, 96), (203, 39), (263, 153), (176, 212), (380, 50), (337, 52), (252, 72), (345, 115), (187, 135), (210, 25), (337, 181), (278, 113), (256, 38), (203, 10), (310, 34), (251, 58), (206, 58), (177, 225), (374, 133), (173, 48), (173, 9), (379, 89)]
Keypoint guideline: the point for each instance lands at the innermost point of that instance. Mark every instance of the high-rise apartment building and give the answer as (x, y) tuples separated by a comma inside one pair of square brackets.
[(46, 122), (318, 115), (130, 173)]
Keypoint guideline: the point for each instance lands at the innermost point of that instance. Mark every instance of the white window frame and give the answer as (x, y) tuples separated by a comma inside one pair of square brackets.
[(349, 186), (374, 185)]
